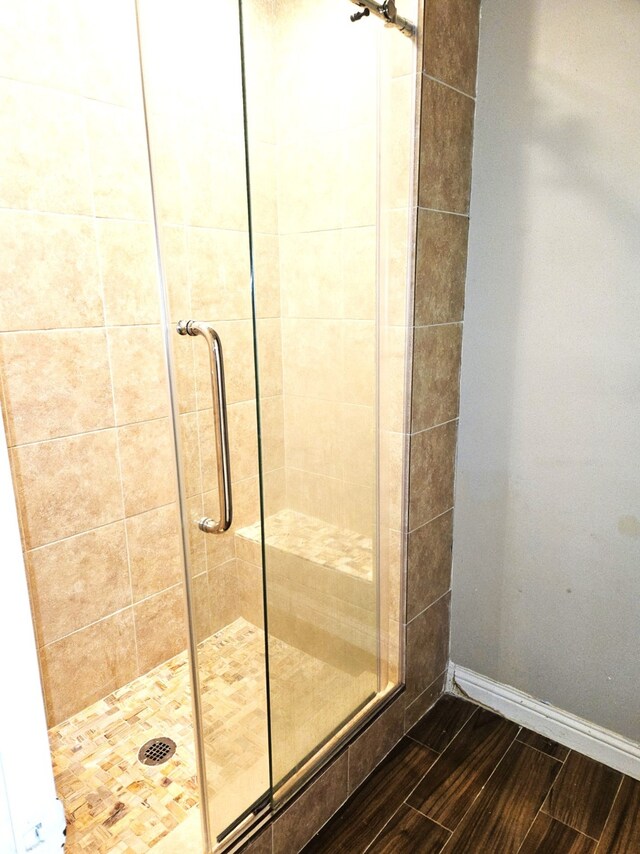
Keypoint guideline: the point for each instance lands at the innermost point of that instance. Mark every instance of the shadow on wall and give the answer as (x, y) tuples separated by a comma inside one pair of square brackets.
[(545, 589)]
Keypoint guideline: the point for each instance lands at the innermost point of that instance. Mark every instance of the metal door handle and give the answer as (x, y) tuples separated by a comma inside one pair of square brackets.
[(216, 366)]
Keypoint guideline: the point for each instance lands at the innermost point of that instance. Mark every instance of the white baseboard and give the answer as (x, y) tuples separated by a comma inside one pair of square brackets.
[(580, 735)]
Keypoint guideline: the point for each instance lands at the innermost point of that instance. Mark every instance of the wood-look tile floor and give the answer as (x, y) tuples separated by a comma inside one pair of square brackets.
[(467, 781)]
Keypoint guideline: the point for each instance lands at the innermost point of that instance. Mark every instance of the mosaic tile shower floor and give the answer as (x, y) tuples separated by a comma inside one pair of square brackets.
[(113, 803)]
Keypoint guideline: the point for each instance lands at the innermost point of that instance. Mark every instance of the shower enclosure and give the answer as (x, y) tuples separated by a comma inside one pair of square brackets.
[(203, 377)]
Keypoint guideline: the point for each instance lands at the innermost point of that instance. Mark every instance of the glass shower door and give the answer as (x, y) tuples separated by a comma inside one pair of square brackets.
[(312, 124), (191, 62), (265, 160)]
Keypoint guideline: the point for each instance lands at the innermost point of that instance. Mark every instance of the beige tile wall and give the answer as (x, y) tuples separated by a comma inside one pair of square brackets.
[(77, 224), (79, 308), (326, 190), (198, 160)]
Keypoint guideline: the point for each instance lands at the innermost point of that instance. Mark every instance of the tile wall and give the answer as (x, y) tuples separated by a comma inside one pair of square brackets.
[(449, 58), (79, 306), (197, 152), (324, 171), (79, 295)]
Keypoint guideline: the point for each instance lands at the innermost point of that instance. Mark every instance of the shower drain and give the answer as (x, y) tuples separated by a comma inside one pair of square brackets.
[(156, 751)]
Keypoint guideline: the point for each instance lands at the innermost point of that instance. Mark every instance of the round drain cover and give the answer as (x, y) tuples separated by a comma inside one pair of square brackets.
[(156, 751)]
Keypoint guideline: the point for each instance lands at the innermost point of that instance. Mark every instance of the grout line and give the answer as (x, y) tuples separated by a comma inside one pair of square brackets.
[(108, 344), (431, 325), (89, 217), (382, 829), (115, 427), (538, 750), (434, 427), (544, 800), (606, 821), (428, 522), (434, 764), (435, 602), (120, 519), (115, 613), (486, 783), (440, 210), (450, 832), (542, 806), (449, 86)]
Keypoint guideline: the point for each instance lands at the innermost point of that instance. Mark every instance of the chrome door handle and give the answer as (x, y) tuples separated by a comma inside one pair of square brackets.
[(216, 366)]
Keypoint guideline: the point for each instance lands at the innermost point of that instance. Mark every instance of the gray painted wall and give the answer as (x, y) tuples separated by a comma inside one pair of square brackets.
[(546, 587)]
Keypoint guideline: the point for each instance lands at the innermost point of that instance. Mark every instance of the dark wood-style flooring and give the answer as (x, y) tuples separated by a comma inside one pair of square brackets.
[(467, 780)]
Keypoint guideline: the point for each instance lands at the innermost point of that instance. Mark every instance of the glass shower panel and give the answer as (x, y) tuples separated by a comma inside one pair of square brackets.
[(193, 90), (312, 105)]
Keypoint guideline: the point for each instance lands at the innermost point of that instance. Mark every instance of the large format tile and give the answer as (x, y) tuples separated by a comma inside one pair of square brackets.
[(451, 786), (155, 551), (67, 486), (161, 630), (56, 383), (505, 809), (375, 742), (266, 264), (128, 270), (435, 394), (441, 267), (622, 830), (87, 665), (148, 465), (38, 43), (311, 274), (427, 647), (313, 807), (429, 563), (243, 439), (270, 357), (99, 27), (225, 604), (139, 373), (450, 52), (119, 165), (358, 362), (369, 809), (49, 274), (425, 701), (583, 794), (440, 725), (410, 831), (192, 452), (431, 473), (547, 835), (46, 177), (77, 581), (546, 745), (238, 351), (219, 273), (272, 443), (446, 140)]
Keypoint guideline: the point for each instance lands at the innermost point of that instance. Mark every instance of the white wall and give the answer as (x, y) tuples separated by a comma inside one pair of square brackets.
[(27, 793), (546, 590)]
